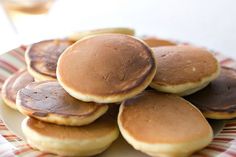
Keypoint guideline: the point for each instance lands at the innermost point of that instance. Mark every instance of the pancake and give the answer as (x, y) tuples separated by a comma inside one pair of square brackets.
[(49, 102), (161, 124), (218, 99), (157, 42), (13, 84), (114, 68), (183, 70), (86, 140), (41, 58), (118, 30)]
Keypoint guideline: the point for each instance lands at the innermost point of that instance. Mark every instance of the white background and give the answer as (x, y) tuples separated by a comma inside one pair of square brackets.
[(209, 23)]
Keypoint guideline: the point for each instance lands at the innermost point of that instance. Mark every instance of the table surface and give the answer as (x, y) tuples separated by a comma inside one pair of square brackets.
[(208, 23)]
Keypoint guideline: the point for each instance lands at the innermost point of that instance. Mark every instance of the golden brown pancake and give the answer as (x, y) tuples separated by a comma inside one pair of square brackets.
[(71, 141), (218, 99), (49, 102), (183, 70), (157, 42), (106, 68), (41, 58), (162, 124), (116, 30), (13, 84)]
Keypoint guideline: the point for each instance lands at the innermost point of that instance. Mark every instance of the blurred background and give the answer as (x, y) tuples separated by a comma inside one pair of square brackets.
[(208, 23)]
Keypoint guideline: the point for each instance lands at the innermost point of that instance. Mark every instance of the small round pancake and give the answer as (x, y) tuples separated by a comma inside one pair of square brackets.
[(157, 42), (41, 58), (62, 140), (218, 99), (49, 102), (114, 68), (118, 30), (161, 124), (183, 70), (13, 84)]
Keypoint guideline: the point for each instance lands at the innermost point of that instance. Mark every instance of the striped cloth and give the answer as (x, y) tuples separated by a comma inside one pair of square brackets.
[(224, 144)]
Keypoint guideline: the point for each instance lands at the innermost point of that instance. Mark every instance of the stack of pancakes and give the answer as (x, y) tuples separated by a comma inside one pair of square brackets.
[(72, 89)]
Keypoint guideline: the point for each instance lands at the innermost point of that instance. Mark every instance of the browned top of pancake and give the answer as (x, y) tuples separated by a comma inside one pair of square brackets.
[(219, 95), (16, 82), (43, 55), (157, 42), (105, 64), (101, 127), (43, 98), (183, 64), (162, 118)]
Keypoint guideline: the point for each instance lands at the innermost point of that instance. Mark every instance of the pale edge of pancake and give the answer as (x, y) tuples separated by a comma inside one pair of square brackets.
[(110, 98), (62, 119), (219, 115), (80, 35), (187, 88), (183, 149), (37, 76), (7, 101), (68, 147)]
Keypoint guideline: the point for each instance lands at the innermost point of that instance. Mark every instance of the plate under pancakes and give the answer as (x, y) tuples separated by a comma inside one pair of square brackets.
[(183, 70), (115, 68), (13, 84), (71, 141), (218, 99), (42, 57), (48, 101), (163, 125)]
